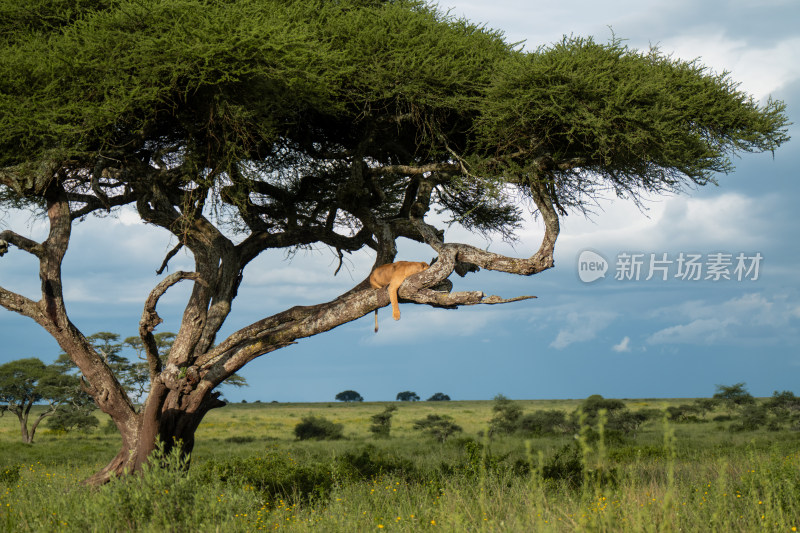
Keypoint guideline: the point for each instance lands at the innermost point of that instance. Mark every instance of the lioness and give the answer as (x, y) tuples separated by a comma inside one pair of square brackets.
[(393, 274)]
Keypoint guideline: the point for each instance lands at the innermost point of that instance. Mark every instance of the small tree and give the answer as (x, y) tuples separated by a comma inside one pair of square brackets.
[(26, 382), (349, 396), (705, 405), (382, 422), (552, 421), (506, 416), (74, 416), (439, 397), (734, 396), (407, 396), (438, 426)]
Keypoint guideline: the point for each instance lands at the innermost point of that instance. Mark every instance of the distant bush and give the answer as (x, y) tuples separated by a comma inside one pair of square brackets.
[(439, 397), (594, 403), (547, 422), (438, 426), (753, 417), (407, 396), (319, 428), (349, 396), (506, 416), (241, 439), (371, 463), (683, 413), (274, 475), (734, 396), (73, 418), (382, 422)]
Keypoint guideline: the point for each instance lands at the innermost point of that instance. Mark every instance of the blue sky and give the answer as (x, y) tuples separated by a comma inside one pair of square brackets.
[(619, 338)]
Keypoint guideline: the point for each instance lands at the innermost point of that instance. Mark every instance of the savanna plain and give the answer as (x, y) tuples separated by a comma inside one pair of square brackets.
[(629, 465)]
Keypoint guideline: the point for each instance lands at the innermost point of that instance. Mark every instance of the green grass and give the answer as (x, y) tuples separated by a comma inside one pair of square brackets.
[(249, 474)]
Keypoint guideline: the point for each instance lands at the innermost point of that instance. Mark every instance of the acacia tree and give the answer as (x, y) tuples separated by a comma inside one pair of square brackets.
[(27, 382), (250, 126)]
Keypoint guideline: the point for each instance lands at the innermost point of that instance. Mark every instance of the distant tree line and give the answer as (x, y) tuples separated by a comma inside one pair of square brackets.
[(405, 396)]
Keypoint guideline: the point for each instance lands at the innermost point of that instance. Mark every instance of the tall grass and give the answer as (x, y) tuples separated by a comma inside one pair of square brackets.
[(695, 477)]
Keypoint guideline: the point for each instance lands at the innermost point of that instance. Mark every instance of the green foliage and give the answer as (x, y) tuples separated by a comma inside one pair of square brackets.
[(9, 474), (74, 417), (274, 475), (506, 416), (318, 428), (407, 396), (752, 417), (349, 396), (372, 463), (546, 422), (628, 119), (592, 405), (439, 397), (683, 413), (438, 426), (733, 396), (26, 382), (271, 85), (382, 422), (565, 466)]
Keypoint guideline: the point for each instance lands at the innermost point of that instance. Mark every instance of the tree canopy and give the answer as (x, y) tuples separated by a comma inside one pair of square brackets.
[(245, 126)]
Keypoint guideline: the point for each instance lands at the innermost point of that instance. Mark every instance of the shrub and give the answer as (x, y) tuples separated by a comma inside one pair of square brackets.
[(683, 413), (438, 426), (74, 418), (382, 422), (319, 428), (546, 422), (349, 396), (274, 475), (371, 463), (506, 416), (753, 417), (407, 396), (439, 397)]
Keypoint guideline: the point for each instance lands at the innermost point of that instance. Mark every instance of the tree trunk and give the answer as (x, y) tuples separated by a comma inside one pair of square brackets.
[(168, 418), (27, 438)]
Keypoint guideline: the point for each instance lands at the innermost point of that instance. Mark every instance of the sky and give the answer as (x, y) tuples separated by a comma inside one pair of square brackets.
[(598, 326)]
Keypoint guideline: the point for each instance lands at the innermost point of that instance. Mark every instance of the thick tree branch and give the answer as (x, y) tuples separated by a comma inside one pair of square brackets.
[(23, 243), (20, 304), (150, 318)]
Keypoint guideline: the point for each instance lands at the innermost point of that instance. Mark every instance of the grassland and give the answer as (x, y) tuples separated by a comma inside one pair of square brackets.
[(248, 473)]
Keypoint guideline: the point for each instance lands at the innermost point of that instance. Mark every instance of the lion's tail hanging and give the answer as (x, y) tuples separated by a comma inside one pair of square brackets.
[(376, 321)]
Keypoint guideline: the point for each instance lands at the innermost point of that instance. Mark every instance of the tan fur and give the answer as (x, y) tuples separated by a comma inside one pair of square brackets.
[(393, 275)]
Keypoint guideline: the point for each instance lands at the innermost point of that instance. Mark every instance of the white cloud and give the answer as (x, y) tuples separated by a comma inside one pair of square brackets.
[(737, 318), (581, 326), (418, 323), (623, 346), (700, 331)]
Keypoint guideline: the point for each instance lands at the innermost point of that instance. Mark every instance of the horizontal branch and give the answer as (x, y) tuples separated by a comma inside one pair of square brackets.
[(19, 304), (23, 243), (286, 328), (409, 170), (452, 300)]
